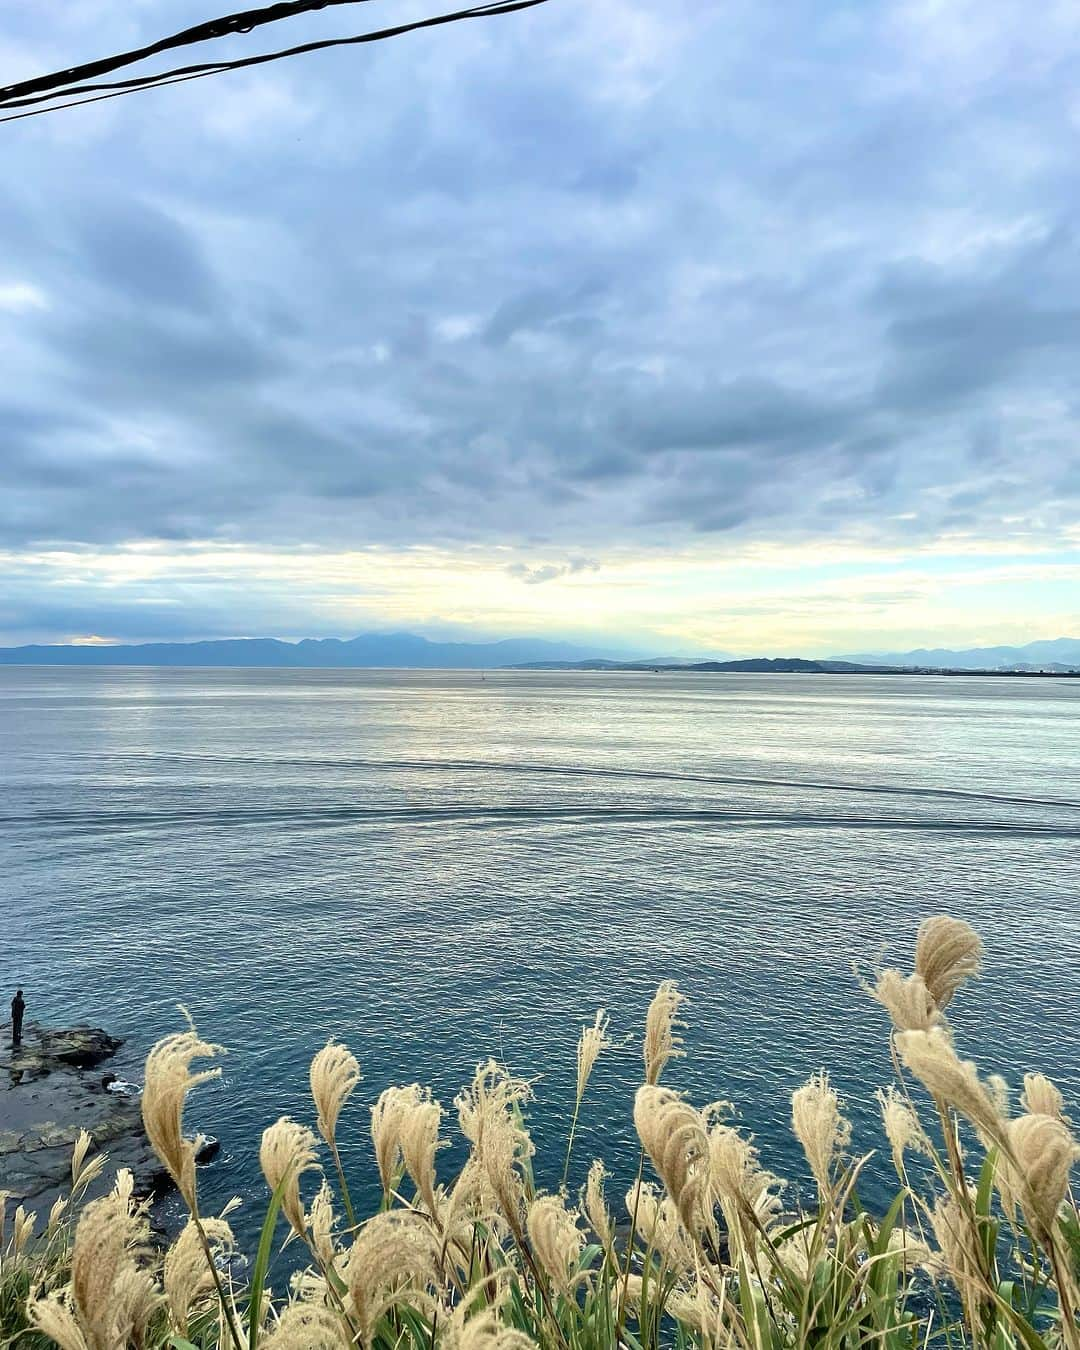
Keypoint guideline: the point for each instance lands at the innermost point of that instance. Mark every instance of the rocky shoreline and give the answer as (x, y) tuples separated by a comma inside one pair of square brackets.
[(53, 1086)]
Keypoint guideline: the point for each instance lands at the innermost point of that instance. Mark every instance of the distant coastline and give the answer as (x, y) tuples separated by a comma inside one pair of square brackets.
[(408, 651)]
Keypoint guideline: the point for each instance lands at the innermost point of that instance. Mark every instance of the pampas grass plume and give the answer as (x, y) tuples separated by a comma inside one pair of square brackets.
[(556, 1241), (288, 1150), (334, 1074), (592, 1040), (1036, 1175), (931, 1058), (947, 952), (662, 1042), (168, 1081), (820, 1127), (673, 1135)]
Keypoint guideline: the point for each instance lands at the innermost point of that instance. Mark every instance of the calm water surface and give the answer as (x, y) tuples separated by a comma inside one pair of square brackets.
[(435, 866)]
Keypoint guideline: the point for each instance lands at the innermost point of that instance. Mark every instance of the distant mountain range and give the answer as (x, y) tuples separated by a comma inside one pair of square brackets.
[(386, 650), (407, 650), (1054, 653)]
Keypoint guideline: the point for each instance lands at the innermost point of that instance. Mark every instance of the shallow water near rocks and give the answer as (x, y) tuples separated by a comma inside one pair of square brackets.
[(438, 866)]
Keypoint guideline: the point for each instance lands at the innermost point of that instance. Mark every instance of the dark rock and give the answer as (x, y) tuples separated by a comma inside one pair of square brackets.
[(209, 1148), (47, 1096)]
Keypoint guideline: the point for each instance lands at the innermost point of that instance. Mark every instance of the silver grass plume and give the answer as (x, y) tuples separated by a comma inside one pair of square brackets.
[(1033, 1174), (556, 1241), (747, 1192), (482, 1331), (1041, 1097), (596, 1209), (673, 1135), (286, 1153), (334, 1074), (657, 1223), (489, 1114), (961, 1252), (947, 952), (820, 1127), (321, 1223), (386, 1117), (592, 1040), (307, 1326), (906, 999), (902, 1128), (168, 1080), (185, 1275), (931, 1057), (111, 1297), (394, 1260), (662, 1041), (418, 1132)]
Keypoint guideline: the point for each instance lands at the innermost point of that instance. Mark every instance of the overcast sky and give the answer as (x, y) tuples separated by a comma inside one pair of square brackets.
[(750, 326)]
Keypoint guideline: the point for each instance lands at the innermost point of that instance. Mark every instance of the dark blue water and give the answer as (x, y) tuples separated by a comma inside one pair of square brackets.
[(436, 866)]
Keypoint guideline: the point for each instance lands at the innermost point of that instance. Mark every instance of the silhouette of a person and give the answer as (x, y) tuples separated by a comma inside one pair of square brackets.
[(18, 1008)]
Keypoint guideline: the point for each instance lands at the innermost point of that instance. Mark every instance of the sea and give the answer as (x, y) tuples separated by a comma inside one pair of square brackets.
[(440, 866)]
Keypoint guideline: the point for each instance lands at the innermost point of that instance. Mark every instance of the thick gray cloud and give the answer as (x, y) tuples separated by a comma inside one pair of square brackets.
[(601, 274)]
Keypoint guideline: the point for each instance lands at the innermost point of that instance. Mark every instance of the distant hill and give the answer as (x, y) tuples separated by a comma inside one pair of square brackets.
[(1049, 654), (751, 665), (369, 650)]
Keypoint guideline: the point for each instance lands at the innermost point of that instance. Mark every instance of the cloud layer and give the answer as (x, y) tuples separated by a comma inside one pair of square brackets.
[(601, 281)]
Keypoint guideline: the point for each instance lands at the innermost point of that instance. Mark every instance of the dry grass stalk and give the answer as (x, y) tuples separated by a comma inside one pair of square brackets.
[(1034, 1174), (288, 1150), (931, 1057), (592, 1040), (186, 1275), (662, 1041), (596, 1209), (947, 952), (334, 1075), (1040, 1097), (673, 1135), (556, 1241), (168, 1080), (394, 1259), (820, 1128)]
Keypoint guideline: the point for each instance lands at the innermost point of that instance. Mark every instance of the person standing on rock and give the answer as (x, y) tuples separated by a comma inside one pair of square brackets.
[(18, 1007)]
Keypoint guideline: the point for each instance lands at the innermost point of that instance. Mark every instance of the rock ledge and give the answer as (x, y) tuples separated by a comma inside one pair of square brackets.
[(49, 1091)]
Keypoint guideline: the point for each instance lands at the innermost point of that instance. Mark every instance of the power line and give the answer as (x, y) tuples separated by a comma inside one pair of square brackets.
[(40, 93)]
